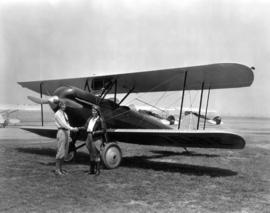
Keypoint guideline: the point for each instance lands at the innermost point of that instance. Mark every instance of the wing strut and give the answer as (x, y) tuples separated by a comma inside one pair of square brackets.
[(106, 90), (86, 85), (182, 101), (198, 124), (130, 91), (206, 107), (41, 105), (115, 90)]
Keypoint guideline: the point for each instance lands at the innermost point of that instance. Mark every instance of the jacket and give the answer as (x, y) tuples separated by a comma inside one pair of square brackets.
[(99, 129)]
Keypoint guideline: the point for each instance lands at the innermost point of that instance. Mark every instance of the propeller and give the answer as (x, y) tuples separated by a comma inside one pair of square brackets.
[(39, 100), (54, 100)]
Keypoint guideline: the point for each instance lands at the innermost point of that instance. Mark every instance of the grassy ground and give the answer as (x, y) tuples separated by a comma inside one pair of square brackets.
[(150, 179)]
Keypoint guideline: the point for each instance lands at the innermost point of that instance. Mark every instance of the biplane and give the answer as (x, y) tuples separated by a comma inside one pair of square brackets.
[(214, 119), (168, 116), (5, 120), (130, 126)]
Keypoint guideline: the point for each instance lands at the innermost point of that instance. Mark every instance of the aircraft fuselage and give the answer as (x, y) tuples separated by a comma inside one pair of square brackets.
[(115, 116)]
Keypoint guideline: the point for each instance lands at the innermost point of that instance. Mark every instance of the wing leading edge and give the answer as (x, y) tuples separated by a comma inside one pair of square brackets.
[(216, 76), (195, 139), (49, 132)]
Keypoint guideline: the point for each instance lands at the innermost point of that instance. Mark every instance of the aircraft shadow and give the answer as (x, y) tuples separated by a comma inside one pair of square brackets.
[(184, 153), (144, 162), (39, 151)]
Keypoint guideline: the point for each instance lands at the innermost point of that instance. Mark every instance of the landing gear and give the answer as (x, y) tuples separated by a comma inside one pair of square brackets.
[(70, 156), (111, 155), (71, 152)]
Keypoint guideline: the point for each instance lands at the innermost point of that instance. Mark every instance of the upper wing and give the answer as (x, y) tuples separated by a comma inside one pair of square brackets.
[(216, 76), (196, 139)]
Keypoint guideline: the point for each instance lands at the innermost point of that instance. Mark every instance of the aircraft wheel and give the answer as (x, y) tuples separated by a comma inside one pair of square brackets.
[(111, 155), (70, 156), (71, 153)]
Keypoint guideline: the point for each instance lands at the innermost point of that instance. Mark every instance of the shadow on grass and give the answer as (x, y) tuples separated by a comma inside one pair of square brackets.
[(185, 153), (39, 151), (144, 162)]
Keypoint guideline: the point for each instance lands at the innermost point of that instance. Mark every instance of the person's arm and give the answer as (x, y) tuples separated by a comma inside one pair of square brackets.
[(104, 129), (87, 123), (59, 118), (101, 130), (103, 125), (85, 126)]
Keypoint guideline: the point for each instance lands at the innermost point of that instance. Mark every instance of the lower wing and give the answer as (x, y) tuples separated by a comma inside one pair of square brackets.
[(162, 137), (45, 131), (194, 138)]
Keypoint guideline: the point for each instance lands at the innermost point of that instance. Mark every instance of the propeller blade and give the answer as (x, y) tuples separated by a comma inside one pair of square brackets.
[(38, 100), (71, 103), (54, 100)]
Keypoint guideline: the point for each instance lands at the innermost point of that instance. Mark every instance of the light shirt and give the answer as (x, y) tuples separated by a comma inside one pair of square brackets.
[(61, 120), (91, 124)]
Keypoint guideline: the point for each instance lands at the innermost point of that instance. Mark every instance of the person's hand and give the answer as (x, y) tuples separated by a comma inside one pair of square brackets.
[(75, 129), (81, 128)]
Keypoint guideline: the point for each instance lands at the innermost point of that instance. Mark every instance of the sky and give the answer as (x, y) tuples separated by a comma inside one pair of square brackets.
[(52, 39)]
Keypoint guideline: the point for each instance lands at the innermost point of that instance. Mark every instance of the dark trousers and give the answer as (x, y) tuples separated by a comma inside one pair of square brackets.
[(93, 146)]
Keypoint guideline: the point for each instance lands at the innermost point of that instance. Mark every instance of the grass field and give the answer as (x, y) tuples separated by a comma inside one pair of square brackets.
[(150, 178)]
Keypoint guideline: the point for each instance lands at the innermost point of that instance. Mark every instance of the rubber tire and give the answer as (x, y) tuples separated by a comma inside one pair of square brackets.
[(71, 153), (111, 155), (70, 157)]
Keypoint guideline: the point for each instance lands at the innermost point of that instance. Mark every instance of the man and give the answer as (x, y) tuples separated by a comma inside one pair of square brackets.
[(96, 135), (62, 123)]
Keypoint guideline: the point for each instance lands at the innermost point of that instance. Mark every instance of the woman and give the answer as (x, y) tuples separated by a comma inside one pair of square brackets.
[(96, 136), (64, 128)]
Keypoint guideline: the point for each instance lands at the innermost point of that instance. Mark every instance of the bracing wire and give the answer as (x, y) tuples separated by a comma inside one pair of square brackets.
[(156, 86), (138, 97)]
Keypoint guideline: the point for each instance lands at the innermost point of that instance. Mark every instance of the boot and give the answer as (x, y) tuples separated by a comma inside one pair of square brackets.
[(92, 168), (58, 167), (97, 168)]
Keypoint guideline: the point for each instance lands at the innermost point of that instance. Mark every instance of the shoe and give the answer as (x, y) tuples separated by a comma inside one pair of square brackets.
[(92, 169), (91, 172), (58, 172), (65, 172), (97, 173), (97, 168)]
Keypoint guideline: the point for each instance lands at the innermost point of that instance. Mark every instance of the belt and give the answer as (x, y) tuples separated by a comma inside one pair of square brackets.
[(61, 128)]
